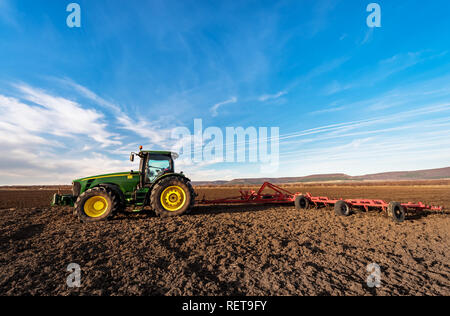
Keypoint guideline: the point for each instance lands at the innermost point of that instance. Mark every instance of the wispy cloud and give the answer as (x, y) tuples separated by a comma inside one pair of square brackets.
[(328, 110), (91, 95), (51, 115), (322, 69), (215, 108), (327, 67), (407, 140), (336, 87), (321, 12), (49, 139), (383, 70), (8, 13), (367, 36), (417, 94), (152, 132), (267, 97)]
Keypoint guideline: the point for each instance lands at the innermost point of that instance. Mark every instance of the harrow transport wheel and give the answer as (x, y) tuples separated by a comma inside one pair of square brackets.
[(96, 204), (397, 212), (172, 196), (341, 208), (301, 202)]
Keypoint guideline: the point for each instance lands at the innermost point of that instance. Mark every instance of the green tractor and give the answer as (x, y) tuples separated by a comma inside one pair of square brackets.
[(155, 185)]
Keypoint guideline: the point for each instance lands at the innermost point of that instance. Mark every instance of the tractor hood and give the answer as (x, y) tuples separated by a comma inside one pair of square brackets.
[(121, 175)]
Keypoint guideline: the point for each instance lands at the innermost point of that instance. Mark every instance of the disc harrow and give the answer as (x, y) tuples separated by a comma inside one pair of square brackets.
[(342, 207)]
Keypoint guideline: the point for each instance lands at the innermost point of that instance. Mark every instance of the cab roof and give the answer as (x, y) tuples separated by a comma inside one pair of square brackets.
[(164, 153)]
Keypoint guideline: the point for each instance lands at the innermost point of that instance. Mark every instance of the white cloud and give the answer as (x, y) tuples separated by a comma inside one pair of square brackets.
[(154, 132), (151, 132), (91, 95), (336, 87), (328, 110), (26, 167), (47, 139), (215, 108), (53, 115), (267, 97)]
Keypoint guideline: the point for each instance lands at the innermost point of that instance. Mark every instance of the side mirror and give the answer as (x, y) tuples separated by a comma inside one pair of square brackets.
[(132, 157)]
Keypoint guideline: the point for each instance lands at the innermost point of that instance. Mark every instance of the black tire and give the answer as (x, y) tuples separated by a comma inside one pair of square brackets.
[(122, 204), (102, 192), (397, 212), (193, 196), (165, 183), (301, 202), (341, 208)]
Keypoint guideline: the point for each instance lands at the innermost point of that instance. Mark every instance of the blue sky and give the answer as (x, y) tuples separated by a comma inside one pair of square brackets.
[(346, 97)]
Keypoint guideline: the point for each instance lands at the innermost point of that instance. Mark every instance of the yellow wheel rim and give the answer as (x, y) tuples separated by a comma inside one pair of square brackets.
[(173, 198), (96, 206)]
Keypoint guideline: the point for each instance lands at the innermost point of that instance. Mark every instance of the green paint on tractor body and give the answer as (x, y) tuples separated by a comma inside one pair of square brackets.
[(133, 187)]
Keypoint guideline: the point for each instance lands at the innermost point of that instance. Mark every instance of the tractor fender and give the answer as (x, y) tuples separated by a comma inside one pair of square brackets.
[(169, 175)]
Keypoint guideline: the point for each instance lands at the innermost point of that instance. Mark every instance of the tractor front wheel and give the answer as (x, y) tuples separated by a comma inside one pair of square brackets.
[(172, 196), (96, 204)]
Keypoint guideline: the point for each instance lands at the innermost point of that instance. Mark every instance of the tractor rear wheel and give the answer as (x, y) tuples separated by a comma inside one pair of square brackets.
[(397, 212), (341, 208), (301, 202), (172, 196), (96, 204)]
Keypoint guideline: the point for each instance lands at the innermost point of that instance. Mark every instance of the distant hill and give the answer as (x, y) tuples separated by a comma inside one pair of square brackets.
[(431, 174)]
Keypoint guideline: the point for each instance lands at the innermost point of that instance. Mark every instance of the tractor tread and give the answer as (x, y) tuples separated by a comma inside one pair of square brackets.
[(159, 187), (103, 191), (115, 190)]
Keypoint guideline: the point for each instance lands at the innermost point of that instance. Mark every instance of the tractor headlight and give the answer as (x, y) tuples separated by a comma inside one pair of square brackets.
[(76, 188)]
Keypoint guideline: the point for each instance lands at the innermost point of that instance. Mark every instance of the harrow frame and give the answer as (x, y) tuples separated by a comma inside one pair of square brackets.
[(280, 195), (283, 196), (368, 203)]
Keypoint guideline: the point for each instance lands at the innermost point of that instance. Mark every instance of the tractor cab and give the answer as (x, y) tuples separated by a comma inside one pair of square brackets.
[(154, 164)]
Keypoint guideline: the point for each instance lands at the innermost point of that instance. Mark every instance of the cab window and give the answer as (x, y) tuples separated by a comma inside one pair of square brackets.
[(156, 167)]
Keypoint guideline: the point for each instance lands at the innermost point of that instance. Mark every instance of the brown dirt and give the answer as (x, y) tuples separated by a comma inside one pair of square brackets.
[(27, 197), (227, 250)]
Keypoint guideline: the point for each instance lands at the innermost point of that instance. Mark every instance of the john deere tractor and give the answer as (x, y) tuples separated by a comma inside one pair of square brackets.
[(155, 185)]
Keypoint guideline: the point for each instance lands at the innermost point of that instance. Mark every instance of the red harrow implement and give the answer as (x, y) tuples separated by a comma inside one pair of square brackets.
[(280, 195), (342, 207)]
